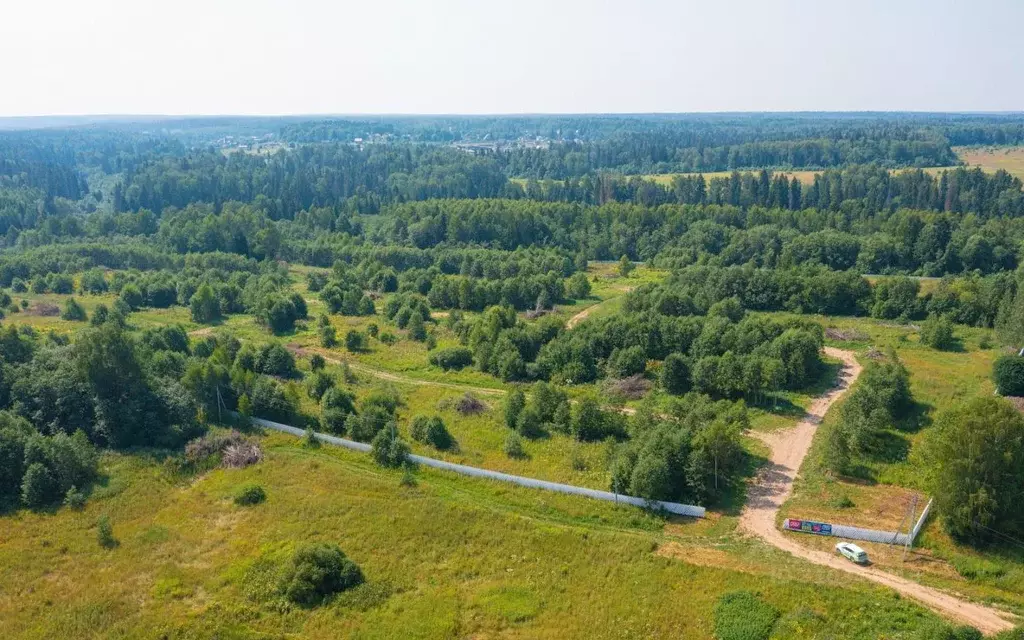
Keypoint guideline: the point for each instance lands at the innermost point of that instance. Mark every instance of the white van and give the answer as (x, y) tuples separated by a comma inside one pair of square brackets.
[(852, 552)]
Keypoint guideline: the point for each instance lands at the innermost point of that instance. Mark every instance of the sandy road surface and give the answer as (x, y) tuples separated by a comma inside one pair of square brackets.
[(775, 483), (582, 315)]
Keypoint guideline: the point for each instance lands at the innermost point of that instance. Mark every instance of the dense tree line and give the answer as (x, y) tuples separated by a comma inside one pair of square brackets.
[(972, 300)]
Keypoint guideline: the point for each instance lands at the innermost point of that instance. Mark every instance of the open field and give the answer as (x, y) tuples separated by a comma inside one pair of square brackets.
[(991, 159), (449, 557), (805, 177)]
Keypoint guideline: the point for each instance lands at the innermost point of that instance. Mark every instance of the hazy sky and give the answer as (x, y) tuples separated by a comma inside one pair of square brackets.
[(502, 56)]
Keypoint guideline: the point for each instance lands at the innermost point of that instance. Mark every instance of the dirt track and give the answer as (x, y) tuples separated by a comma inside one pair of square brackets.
[(775, 483), (391, 377), (582, 315)]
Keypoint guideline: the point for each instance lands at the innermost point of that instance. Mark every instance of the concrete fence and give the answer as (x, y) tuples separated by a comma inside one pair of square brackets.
[(857, 533), (671, 507)]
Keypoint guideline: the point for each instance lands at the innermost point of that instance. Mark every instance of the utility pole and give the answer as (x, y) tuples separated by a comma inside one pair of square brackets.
[(910, 526)]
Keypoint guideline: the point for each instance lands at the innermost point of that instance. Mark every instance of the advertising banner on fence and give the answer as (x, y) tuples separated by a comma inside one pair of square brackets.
[(807, 526)]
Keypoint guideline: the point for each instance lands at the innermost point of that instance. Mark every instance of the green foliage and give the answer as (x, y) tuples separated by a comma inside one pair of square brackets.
[(675, 374), (270, 401), (977, 453), (417, 329), (389, 450), (625, 266), (742, 615), (245, 406), (249, 495), (1008, 374), (40, 470), (73, 311), (355, 341), (74, 499), (316, 572), (105, 533), (38, 486), (513, 446), (370, 421), (937, 332), (879, 402), (336, 405), (588, 423), (431, 430), (529, 423), (132, 297), (693, 455), (896, 298), (328, 337), (99, 315), (515, 401), (317, 362), (309, 440), (627, 361), (318, 384), (578, 286), (204, 305), (271, 358), (452, 358)]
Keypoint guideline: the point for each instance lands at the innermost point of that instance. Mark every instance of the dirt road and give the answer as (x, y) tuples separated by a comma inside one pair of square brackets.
[(582, 315), (775, 483), (389, 376)]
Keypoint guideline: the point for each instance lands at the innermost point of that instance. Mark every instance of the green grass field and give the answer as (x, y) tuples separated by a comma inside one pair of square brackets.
[(449, 557)]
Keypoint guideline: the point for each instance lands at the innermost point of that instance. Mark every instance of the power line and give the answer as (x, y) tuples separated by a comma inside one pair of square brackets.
[(1005, 536)]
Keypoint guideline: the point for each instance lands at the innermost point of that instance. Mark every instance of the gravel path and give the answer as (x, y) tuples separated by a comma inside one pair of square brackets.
[(775, 484)]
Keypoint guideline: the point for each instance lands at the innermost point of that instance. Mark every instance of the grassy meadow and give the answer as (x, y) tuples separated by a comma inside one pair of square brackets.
[(991, 159), (449, 557)]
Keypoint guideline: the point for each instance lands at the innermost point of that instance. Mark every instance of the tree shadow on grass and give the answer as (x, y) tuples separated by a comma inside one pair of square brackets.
[(732, 494), (918, 417)]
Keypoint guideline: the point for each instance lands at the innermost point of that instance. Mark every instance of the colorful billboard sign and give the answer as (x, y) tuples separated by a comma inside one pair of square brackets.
[(807, 526)]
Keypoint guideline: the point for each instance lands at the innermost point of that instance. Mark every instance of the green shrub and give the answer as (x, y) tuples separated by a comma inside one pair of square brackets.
[(316, 362), (74, 498), (318, 384), (38, 486), (328, 336), (514, 404), (937, 332), (389, 450), (73, 311), (514, 446), (105, 533), (355, 341), (431, 430), (1008, 374), (741, 615), (316, 572), (249, 495), (408, 478), (452, 358)]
